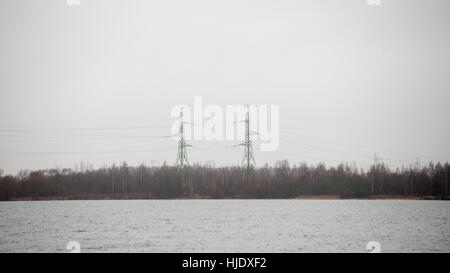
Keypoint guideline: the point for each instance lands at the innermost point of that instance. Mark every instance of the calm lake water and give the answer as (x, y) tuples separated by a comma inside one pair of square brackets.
[(225, 225)]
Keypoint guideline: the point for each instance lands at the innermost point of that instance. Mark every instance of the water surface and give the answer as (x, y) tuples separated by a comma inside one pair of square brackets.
[(225, 225)]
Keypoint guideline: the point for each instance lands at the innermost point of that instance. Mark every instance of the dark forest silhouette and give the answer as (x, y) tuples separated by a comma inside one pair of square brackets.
[(280, 181)]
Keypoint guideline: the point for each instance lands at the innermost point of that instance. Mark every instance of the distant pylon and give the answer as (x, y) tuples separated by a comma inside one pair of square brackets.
[(375, 160), (182, 155), (248, 153), (210, 164), (154, 163)]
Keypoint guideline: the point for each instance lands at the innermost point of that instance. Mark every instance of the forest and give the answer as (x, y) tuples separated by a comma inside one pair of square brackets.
[(278, 181)]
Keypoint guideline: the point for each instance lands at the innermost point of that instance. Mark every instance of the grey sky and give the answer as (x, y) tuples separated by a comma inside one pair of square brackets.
[(351, 79)]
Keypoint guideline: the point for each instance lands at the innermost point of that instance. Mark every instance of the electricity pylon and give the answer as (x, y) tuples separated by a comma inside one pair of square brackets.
[(182, 160), (248, 153), (375, 160)]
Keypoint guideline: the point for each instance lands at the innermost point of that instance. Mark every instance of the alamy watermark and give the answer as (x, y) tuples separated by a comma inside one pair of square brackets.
[(73, 2), (373, 2), (373, 247), (214, 122), (74, 247)]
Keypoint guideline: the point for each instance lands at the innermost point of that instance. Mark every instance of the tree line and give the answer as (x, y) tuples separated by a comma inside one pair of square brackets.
[(278, 181)]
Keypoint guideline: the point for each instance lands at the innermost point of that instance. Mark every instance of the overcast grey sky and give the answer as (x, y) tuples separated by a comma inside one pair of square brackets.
[(351, 79)]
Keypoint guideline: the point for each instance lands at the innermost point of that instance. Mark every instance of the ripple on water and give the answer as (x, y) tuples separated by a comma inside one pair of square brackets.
[(235, 225)]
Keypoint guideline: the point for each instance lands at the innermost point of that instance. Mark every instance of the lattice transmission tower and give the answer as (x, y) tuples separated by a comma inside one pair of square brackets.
[(182, 160), (248, 152)]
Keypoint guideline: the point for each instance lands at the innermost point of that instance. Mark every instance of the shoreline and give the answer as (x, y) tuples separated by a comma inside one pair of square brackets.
[(136, 196)]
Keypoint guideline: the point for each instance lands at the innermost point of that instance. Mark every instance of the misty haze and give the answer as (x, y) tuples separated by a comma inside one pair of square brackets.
[(333, 112)]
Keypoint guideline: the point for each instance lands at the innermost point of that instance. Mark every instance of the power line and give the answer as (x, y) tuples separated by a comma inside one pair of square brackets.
[(30, 128), (303, 157), (79, 152), (366, 147), (73, 136), (324, 149), (321, 149)]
